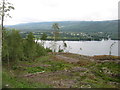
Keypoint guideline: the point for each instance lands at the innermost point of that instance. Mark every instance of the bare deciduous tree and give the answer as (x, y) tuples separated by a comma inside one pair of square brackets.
[(5, 7), (111, 47), (56, 33)]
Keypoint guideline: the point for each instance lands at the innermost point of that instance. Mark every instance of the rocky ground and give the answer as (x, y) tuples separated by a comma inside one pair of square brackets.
[(66, 70)]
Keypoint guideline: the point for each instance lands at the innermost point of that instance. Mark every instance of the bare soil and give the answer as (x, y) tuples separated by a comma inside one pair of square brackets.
[(67, 78)]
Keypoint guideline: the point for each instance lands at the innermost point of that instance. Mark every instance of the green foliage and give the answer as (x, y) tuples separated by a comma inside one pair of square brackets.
[(50, 65), (14, 82), (60, 50), (12, 43), (16, 48), (48, 50), (44, 36), (5, 52), (40, 50), (29, 46)]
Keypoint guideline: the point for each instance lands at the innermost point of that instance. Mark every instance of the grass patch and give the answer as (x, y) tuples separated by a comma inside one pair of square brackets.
[(107, 70), (54, 66), (98, 84), (44, 63), (15, 82), (97, 75)]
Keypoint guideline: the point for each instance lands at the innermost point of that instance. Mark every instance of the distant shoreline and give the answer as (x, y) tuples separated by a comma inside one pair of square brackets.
[(78, 40)]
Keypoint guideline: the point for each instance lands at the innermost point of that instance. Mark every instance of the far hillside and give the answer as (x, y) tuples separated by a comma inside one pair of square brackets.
[(110, 26)]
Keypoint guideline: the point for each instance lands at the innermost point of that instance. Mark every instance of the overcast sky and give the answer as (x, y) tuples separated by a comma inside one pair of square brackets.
[(62, 10)]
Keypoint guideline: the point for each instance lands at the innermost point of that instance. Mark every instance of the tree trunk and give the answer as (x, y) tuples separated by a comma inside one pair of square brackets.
[(2, 19)]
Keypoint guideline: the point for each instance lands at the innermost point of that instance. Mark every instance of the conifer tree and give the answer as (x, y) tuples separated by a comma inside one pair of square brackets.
[(29, 47)]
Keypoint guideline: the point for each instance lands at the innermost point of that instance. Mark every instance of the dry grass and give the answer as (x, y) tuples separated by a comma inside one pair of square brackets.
[(106, 57)]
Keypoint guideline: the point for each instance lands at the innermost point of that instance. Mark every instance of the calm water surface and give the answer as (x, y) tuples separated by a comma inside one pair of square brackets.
[(89, 48)]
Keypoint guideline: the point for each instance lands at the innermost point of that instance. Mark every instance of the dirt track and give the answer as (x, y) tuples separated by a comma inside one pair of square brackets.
[(67, 59)]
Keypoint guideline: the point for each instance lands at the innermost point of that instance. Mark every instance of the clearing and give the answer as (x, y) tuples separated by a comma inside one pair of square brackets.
[(64, 70)]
